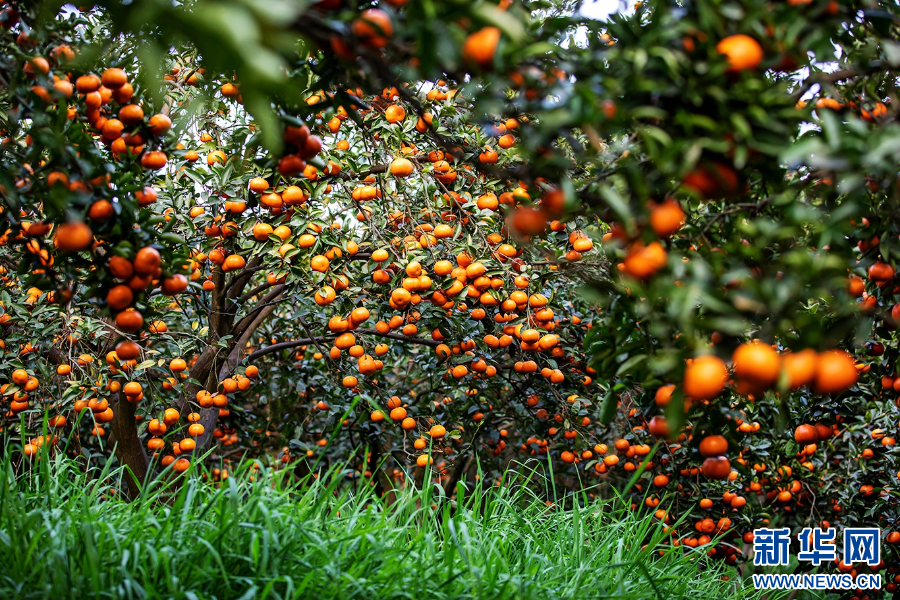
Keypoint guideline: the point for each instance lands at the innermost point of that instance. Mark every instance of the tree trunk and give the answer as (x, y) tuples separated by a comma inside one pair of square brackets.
[(128, 447), (209, 369)]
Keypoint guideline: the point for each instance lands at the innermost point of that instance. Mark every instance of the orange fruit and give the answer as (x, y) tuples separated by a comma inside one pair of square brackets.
[(262, 231), (319, 263), (705, 377), (480, 47), (114, 78), (713, 445), (716, 467), (664, 394), (659, 427), (119, 297), (127, 350), (258, 185), (216, 156), (742, 52), (394, 114), (643, 261), (806, 434), (757, 365), (800, 367), (131, 114), (73, 236), (129, 320), (528, 221), (159, 125), (401, 167), (234, 262), (373, 28), (146, 261), (666, 218), (835, 372)]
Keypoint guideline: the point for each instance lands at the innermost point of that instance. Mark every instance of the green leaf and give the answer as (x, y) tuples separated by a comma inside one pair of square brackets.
[(630, 364), (608, 407)]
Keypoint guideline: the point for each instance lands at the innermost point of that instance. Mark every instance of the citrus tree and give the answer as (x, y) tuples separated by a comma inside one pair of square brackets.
[(655, 251)]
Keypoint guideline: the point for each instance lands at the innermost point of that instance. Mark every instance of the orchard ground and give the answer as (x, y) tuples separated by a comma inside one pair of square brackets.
[(70, 534)]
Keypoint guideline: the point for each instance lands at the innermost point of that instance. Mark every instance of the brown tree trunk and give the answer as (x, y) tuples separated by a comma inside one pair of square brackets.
[(128, 447)]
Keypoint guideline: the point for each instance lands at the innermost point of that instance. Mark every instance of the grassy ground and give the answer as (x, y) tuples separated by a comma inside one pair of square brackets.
[(62, 537)]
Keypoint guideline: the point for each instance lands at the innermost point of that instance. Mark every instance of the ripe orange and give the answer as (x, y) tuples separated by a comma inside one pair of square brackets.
[(175, 284), (643, 261), (319, 263), (114, 78), (705, 377), (666, 218), (234, 262), (527, 221), (659, 427), (159, 125), (742, 52), (87, 83), (127, 350), (20, 376), (146, 261), (480, 47), (325, 295), (800, 367), (401, 167), (262, 231), (806, 434), (359, 314), (258, 185), (129, 320), (373, 28), (835, 372), (506, 141), (756, 365), (293, 195), (73, 236), (713, 445), (153, 160), (487, 202), (394, 113), (712, 180), (664, 394), (716, 467), (119, 297), (881, 271)]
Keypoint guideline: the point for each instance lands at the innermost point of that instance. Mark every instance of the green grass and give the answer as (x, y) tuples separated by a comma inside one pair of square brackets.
[(61, 536)]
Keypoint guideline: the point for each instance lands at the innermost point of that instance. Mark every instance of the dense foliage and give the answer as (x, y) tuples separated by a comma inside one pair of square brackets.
[(657, 248)]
